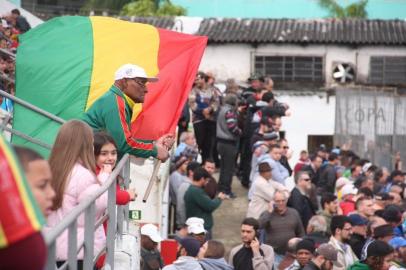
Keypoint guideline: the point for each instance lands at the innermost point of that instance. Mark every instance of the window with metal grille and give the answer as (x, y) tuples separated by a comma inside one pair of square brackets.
[(387, 70), (290, 68)]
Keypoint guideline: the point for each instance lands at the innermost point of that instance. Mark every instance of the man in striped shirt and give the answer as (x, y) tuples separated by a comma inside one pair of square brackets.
[(112, 113), (228, 134)]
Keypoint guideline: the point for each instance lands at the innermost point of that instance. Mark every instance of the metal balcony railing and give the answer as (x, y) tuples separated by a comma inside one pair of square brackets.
[(88, 208)]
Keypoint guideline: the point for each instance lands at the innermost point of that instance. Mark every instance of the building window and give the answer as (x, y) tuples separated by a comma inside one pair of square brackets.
[(291, 68), (314, 142), (387, 70)]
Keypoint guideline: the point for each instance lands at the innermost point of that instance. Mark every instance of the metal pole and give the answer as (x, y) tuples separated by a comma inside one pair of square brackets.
[(151, 181), (7, 52), (111, 224), (126, 176), (26, 137), (32, 107), (90, 214)]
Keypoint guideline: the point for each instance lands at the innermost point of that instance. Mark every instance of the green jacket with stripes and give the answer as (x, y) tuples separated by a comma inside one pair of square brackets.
[(112, 113)]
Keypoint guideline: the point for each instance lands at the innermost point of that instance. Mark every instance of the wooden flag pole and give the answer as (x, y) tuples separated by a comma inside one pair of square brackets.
[(152, 181)]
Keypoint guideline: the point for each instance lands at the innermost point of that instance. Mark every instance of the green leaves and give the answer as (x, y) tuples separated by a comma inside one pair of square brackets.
[(355, 10), (147, 8)]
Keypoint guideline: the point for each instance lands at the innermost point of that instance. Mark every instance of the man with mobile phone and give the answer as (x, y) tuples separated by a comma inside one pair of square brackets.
[(251, 254)]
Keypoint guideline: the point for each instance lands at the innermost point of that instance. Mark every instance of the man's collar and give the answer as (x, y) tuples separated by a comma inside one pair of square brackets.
[(118, 91), (301, 191), (326, 213), (129, 101)]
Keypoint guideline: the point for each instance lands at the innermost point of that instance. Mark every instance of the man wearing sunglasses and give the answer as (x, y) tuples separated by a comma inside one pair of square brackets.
[(112, 113), (299, 199)]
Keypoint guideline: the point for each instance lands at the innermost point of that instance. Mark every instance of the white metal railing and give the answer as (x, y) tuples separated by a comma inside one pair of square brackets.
[(87, 208)]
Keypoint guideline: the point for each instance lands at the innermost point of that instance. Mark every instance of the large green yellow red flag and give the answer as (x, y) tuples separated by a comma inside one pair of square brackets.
[(20, 216), (65, 64)]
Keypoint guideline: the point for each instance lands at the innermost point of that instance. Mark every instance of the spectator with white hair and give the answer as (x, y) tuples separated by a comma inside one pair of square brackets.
[(187, 143), (317, 230), (280, 223)]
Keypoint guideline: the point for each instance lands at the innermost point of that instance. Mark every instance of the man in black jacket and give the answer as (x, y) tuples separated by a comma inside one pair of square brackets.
[(299, 199), (359, 233), (286, 154), (328, 175), (313, 168)]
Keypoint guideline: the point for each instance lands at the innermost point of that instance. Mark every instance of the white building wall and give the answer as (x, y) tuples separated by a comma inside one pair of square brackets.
[(311, 115), (227, 61), (235, 60)]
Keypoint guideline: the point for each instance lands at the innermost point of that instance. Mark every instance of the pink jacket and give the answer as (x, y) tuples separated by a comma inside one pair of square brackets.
[(81, 184)]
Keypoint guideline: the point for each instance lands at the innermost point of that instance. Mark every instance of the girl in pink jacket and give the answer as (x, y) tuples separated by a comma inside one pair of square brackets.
[(74, 179)]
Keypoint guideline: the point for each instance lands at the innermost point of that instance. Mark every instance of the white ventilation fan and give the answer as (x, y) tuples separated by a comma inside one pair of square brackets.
[(343, 73)]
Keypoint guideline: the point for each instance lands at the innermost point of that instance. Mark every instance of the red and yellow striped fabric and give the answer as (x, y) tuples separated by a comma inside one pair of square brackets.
[(20, 215)]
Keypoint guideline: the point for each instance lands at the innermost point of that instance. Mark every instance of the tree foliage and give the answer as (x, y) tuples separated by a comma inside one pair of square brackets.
[(108, 5), (355, 10), (147, 8)]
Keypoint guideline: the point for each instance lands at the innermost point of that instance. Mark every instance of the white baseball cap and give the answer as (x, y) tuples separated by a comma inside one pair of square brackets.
[(195, 225), (348, 189), (196, 228), (151, 231), (132, 71), (342, 181)]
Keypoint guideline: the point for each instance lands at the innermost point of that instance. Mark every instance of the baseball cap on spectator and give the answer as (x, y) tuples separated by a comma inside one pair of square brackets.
[(342, 181), (306, 244), (269, 136), (358, 220), (195, 225), (264, 167), (258, 144), (256, 76), (329, 253), (397, 242), (131, 71), (383, 196), (392, 213), (191, 245), (151, 231), (383, 230), (379, 248), (368, 167), (348, 189)]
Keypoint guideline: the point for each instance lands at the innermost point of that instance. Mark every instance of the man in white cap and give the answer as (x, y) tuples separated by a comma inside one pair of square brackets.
[(112, 113), (195, 228), (150, 256)]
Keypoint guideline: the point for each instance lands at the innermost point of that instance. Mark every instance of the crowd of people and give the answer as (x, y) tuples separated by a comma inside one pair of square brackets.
[(343, 213), (11, 26)]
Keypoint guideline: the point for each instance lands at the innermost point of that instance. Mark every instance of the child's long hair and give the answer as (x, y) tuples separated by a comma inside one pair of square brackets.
[(102, 138), (73, 144)]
